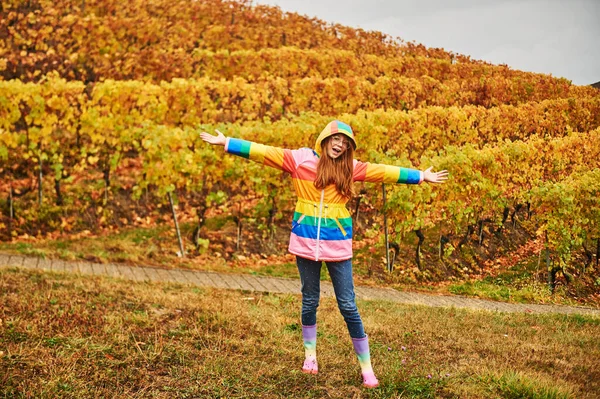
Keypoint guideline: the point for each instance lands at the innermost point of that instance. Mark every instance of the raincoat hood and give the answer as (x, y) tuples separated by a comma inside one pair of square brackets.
[(332, 128)]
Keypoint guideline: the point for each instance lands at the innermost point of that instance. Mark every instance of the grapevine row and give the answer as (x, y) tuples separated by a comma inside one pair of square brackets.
[(190, 102), (59, 124), (555, 177), (90, 40)]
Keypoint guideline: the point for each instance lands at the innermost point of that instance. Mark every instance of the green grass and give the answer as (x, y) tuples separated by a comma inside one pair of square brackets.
[(522, 284), (128, 245), (288, 269), (69, 336), (285, 270), (516, 385), (484, 289)]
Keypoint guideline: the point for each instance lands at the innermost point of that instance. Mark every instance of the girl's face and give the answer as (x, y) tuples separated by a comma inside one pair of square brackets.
[(337, 145)]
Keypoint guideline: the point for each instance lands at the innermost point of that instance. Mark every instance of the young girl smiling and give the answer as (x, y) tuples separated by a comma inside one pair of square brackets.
[(322, 226)]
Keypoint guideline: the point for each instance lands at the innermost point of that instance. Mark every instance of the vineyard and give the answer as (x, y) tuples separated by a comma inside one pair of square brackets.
[(102, 101)]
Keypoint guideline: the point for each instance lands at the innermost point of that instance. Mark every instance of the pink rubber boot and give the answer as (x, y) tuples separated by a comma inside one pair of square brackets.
[(361, 347), (309, 336)]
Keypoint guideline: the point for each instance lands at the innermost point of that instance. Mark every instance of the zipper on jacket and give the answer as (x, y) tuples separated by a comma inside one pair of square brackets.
[(319, 225)]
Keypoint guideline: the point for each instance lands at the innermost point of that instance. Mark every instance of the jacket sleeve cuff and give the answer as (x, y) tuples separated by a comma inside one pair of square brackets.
[(227, 144)]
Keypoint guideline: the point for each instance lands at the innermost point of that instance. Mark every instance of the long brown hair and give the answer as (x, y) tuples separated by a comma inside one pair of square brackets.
[(338, 171)]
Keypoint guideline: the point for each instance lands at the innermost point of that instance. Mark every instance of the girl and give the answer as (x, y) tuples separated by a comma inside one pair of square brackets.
[(322, 227)]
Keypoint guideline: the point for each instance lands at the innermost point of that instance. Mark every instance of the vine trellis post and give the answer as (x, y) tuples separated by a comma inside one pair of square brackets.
[(40, 178), (182, 251), (11, 212), (597, 251), (388, 265)]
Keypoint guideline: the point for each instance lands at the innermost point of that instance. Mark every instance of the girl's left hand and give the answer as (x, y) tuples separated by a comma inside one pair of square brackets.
[(219, 139), (435, 177)]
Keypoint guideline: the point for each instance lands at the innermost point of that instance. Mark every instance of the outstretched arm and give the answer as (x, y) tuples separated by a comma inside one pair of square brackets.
[(267, 155), (380, 173)]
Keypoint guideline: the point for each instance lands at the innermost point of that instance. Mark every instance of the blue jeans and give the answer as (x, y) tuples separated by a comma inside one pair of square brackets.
[(343, 285)]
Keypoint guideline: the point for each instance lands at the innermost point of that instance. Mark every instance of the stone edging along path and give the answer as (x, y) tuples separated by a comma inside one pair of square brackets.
[(275, 285)]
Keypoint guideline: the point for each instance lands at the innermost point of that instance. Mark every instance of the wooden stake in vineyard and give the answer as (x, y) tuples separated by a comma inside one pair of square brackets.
[(597, 251), (11, 212), (181, 250), (388, 266), (40, 176)]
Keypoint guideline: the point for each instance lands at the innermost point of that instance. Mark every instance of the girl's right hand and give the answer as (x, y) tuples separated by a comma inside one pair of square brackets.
[(219, 139)]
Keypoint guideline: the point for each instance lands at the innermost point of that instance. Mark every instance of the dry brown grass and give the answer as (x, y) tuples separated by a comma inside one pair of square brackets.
[(81, 337)]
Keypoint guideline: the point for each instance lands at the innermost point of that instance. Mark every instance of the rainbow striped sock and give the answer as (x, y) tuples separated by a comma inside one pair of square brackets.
[(361, 347), (309, 336)]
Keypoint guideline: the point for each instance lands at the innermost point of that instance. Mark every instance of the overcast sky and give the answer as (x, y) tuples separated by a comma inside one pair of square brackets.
[(558, 37)]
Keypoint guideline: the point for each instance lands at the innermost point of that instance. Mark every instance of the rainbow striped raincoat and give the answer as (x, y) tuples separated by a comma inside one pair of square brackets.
[(322, 226)]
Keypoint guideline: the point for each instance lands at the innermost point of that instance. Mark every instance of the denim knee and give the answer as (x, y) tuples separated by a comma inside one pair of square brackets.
[(310, 302), (348, 308)]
